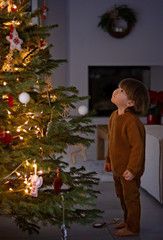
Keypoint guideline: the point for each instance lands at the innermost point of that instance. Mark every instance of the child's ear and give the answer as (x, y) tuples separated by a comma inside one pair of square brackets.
[(131, 103)]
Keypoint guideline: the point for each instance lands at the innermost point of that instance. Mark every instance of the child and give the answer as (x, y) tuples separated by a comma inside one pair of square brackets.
[(126, 151)]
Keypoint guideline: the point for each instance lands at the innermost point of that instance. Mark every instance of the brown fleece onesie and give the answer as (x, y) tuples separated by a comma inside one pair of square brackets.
[(126, 150)]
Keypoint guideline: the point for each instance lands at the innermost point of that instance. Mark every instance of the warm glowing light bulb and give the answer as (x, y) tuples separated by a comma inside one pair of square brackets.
[(18, 129), (4, 83), (26, 190), (9, 113), (21, 138), (27, 163), (35, 168), (5, 96), (10, 189)]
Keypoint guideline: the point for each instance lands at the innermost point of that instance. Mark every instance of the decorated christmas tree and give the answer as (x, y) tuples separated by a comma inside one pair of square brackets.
[(36, 184)]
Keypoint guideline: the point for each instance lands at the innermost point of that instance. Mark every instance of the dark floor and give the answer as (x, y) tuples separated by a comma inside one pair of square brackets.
[(151, 221)]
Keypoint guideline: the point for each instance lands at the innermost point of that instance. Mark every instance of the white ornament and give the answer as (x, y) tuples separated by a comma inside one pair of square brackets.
[(24, 97), (36, 183), (15, 41), (83, 110)]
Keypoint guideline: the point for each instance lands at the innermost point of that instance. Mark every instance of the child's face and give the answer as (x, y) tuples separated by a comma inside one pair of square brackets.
[(120, 99)]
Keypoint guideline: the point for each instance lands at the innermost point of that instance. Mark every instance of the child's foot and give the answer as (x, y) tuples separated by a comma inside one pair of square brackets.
[(120, 225), (124, 232)]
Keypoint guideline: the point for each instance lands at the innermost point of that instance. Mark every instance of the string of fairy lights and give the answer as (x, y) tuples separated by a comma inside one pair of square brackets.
[(27, 171), (31, 181), (27, 179)]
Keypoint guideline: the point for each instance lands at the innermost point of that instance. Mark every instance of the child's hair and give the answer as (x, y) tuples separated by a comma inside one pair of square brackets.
[(137, 92)]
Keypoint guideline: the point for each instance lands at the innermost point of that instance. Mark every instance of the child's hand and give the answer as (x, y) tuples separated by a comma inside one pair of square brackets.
[(107, 167), (128, 175)]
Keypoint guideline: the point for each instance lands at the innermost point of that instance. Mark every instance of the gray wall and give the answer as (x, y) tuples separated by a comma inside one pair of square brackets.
[(82, 43), (58, 38)]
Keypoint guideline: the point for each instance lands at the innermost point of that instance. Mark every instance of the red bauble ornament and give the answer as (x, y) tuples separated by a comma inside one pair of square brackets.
[(57, 183), (6, 138), (14, 8), (10, 101)]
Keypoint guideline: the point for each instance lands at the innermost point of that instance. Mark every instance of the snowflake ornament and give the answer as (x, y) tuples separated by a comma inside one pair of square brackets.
[(15, 41)]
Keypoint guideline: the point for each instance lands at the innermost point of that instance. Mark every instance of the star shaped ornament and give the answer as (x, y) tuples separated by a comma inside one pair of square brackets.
[(15, 41)]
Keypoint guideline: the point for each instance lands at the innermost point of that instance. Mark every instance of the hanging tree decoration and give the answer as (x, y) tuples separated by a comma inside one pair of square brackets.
[(44, 14), (43, 44), (24, 97), (6, 138), (36, 182), (13, 7), (15, 41), (63, 227), (10, 100), (66, 111), (57, 183)]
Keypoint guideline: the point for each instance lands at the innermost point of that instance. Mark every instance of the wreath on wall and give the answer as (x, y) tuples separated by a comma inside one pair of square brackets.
[(113, 21)]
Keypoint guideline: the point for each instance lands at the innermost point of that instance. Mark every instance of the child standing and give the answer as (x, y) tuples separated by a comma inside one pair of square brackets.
[(126, 151)]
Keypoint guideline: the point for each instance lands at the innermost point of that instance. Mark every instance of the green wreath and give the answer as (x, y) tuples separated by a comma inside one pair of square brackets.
[(108, 21)]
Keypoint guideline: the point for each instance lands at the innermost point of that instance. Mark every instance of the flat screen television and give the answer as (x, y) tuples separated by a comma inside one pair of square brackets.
[(103, 80)]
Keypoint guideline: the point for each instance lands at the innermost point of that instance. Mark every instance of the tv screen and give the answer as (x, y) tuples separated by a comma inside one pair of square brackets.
[(103, 80)]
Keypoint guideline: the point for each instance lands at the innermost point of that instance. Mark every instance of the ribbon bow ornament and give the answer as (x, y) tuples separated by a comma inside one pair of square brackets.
[(36, 183)]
